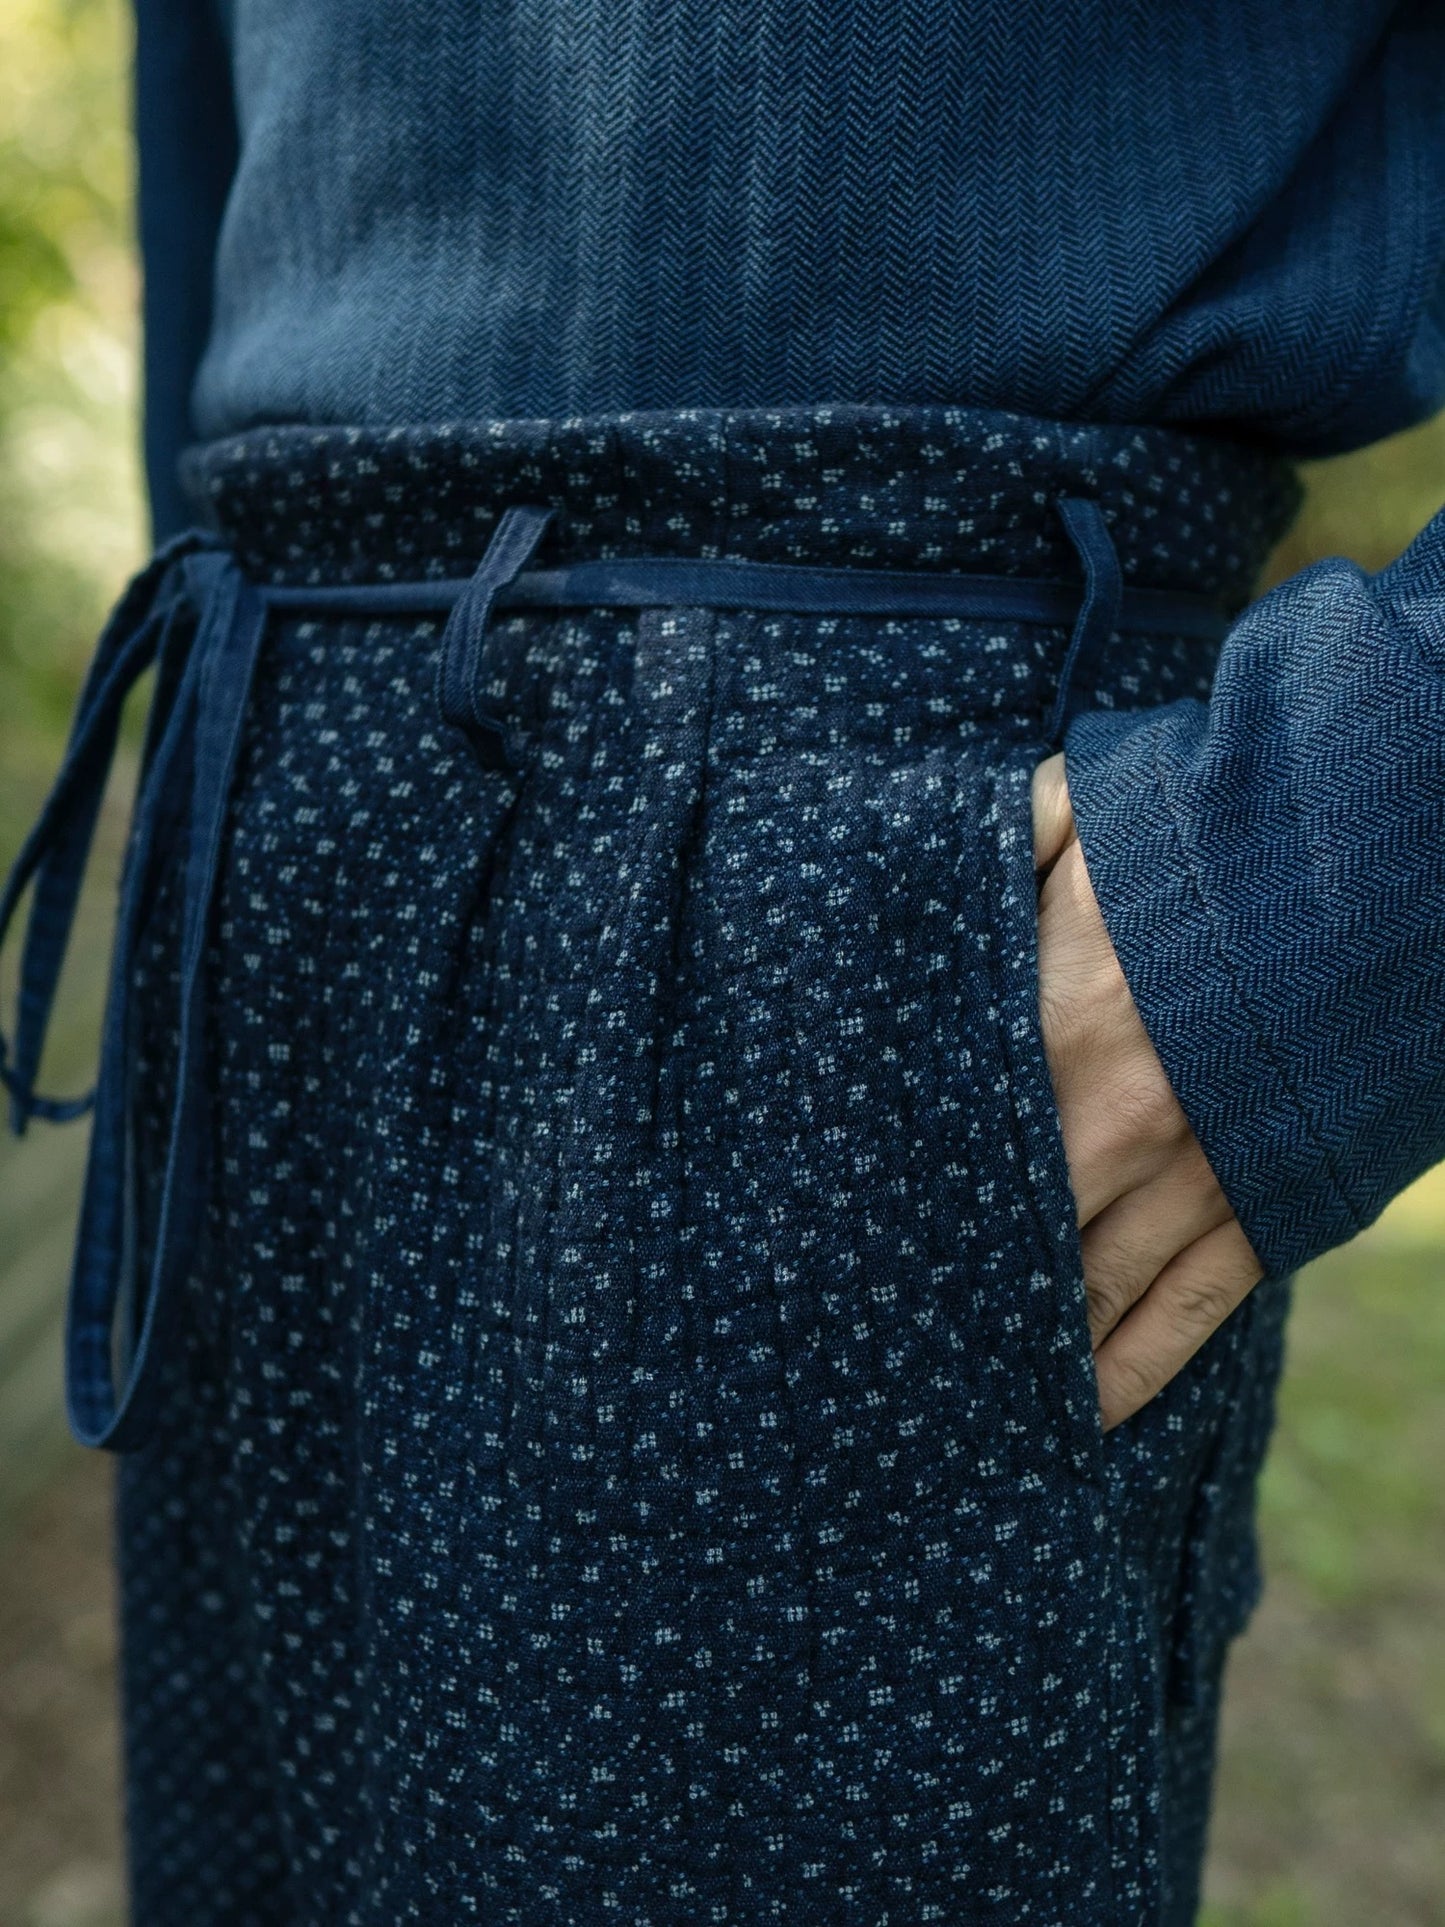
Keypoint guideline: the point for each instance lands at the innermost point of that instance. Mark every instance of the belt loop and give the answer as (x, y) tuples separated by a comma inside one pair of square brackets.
[(1099, 611), (461, 678)]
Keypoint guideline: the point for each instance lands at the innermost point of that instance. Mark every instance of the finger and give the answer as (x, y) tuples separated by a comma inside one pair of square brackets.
[(1130, 1242), (1120, 1120), (1053, 814), (1081, 982), (1122, 1127), (1190, 1299)]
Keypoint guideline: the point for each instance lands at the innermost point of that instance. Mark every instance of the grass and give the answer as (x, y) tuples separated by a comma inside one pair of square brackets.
[(1331, 1805)]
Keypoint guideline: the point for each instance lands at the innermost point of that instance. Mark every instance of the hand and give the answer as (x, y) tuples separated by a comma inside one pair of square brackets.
[(1165, 1261)]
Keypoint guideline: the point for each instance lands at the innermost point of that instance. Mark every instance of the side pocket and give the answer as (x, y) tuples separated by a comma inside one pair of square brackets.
[(1047, 1189), (1126, 1670), (1220, 1578), (1181, 1474)]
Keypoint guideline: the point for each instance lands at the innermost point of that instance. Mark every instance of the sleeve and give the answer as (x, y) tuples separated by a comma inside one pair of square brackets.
[(186, 143), (1271, 868)]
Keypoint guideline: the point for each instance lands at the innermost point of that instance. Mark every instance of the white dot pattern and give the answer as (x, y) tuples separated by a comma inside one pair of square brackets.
[(631, 1454)]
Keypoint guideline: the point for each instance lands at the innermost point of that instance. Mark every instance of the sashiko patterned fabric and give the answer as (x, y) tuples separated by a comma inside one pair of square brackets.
[(631, 1452)]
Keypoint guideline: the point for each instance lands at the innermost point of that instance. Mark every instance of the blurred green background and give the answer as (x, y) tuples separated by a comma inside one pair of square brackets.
[(1332, 1802)]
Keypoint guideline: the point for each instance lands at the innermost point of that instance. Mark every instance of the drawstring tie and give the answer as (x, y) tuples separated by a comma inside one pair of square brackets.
[(194, 733), (1098, 616), (195, 615), (463, 685)]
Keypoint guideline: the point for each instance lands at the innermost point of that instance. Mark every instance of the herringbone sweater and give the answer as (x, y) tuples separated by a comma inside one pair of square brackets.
[(1106, 210)]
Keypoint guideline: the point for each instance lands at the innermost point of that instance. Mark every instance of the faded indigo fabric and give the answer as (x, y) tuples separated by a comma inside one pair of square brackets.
[(631, 1449), (1230, 215)]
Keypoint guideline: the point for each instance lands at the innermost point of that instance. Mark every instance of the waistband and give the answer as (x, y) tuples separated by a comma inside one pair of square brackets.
[(308, 521), (928, 490)]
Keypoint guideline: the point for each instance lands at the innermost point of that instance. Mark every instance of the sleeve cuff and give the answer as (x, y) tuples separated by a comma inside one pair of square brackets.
[(1271, 869), (1193, 996)]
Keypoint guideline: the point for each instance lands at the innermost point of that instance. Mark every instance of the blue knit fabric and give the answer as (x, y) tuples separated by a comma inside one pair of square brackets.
[(443, 209)]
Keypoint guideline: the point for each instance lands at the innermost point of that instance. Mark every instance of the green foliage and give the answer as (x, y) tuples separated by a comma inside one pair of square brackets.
[(70, 520), (33, 269), (1368, 505)]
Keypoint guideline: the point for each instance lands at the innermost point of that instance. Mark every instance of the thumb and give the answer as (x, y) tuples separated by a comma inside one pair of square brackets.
[(1053, 815)]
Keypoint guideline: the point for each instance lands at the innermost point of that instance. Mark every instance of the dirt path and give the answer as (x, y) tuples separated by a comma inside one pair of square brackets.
[(59, 1827)]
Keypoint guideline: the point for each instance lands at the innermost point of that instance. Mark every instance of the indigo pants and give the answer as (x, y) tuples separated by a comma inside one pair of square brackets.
[(628, 1450)]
